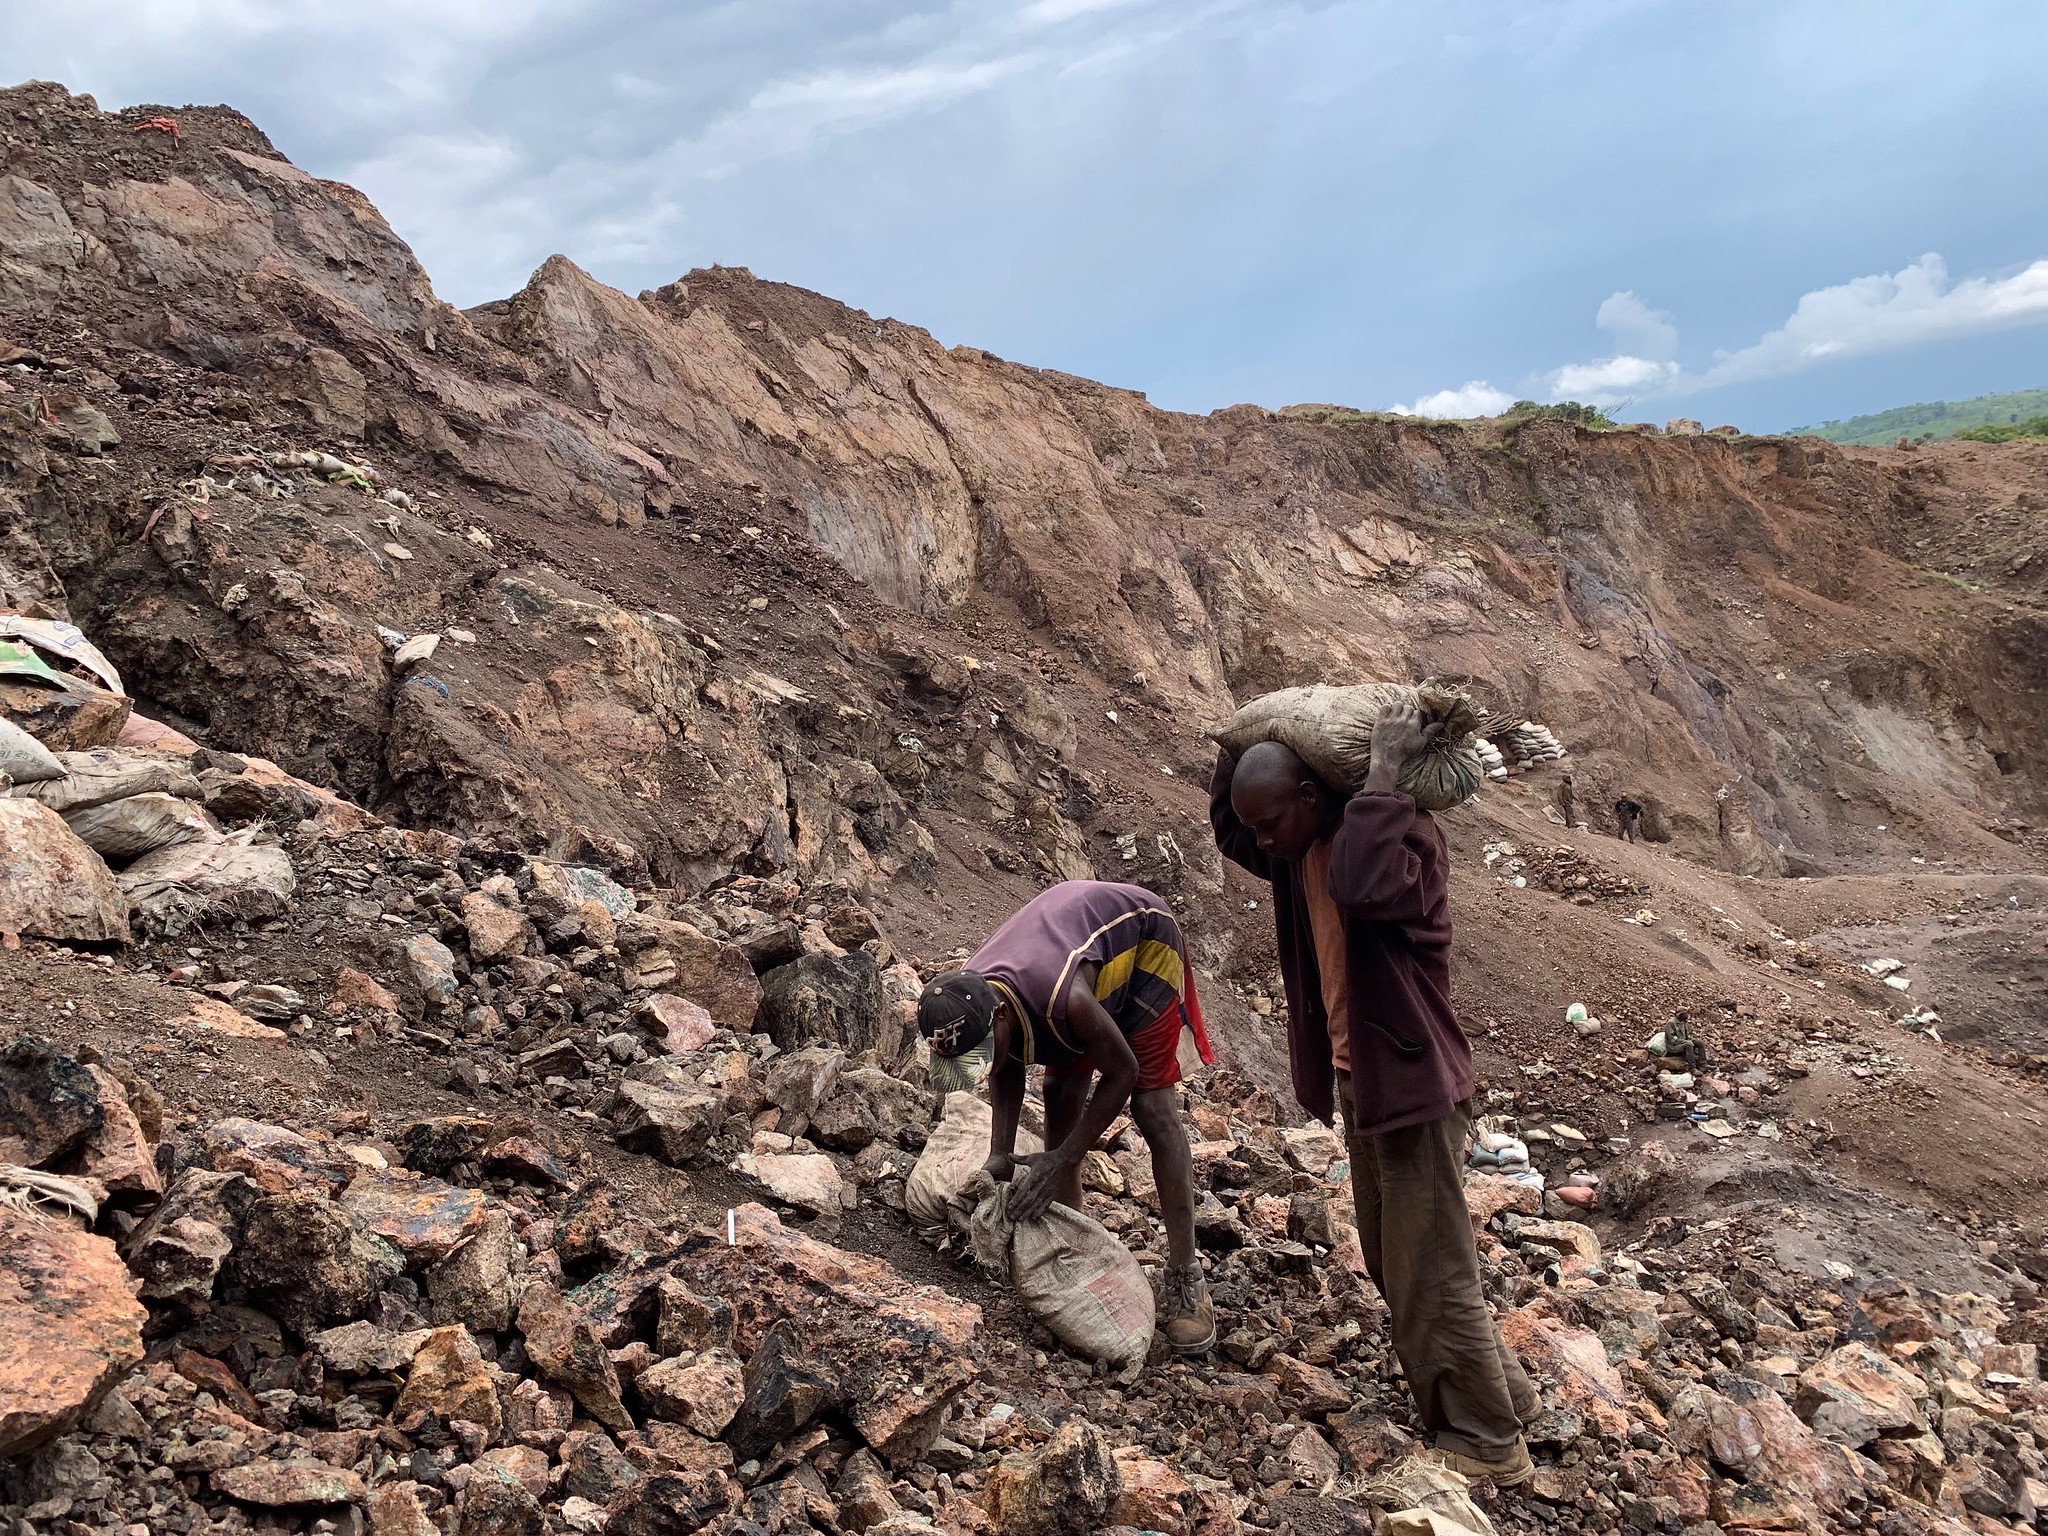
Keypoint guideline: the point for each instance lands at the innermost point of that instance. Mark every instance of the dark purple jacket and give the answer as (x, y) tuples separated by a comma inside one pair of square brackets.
[(1410, 1062)]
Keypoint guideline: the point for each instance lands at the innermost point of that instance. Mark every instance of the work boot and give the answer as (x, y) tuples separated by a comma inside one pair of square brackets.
[(1190, 1314), (1511, 1471)]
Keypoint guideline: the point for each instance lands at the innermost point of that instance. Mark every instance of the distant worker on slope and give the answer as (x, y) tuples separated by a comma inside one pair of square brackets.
[(1087, 978), (1361, 903), (1626, 814)]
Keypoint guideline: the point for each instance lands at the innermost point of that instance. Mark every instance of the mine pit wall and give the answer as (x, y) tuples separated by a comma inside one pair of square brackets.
[(1767, 641)]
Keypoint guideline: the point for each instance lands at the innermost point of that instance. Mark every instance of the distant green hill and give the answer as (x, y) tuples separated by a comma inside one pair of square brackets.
[(1935, 418)]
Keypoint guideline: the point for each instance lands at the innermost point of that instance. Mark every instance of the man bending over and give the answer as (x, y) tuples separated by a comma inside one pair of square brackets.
[(1089, 980)]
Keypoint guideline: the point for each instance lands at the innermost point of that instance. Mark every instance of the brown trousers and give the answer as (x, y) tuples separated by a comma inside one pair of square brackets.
[(1419, 1248)]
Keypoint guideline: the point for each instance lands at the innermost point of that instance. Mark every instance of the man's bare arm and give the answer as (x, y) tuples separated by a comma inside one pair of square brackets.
[(1095, 1032)]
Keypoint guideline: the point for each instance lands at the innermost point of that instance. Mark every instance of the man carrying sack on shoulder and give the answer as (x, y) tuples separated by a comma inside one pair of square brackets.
[(1360, 900)]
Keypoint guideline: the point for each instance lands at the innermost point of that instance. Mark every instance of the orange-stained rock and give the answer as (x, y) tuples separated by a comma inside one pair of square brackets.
[(56, 887), (119, 1155), (355, 989), (1308, 1387), (1855, 1394), (423, 1218), (1749, 1430), (1576, 1361), (210, 1015), (1152, 1495), (70, 1327), (275, 1159), (494, 930), (1487, 1195), (448, 1379)]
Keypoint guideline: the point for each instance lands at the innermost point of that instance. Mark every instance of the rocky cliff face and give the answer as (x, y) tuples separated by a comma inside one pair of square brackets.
[(724, 546)]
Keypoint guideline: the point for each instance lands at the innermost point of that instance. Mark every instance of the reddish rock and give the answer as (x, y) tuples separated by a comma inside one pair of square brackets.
[(118, 1154), (399, 1509), (1578, 1247), (1855, 1394), (1150, 1494), (277, 1484), (355, 989), (1067, 1489), (421, 1217), (449, 1379), (494, 930), (810, 1180), (1367, 1440), (675, 1025), (212, 1375), (209, 1015), (56, 887), (521, 1463), (1310, 1388), (703, 1394), (1750, 1431), (675, 957), (70, 1327), (567, 1351), (478, 1283), (1488, 1195), (276, 1160), (1576, 1361)]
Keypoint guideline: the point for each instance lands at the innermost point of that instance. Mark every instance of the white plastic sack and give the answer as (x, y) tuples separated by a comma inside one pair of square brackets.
[(24, 759), (1330, 729), (954, 1153), (191, 883), (104, 774), (1073, 1275), (122, 831), (64, 641)]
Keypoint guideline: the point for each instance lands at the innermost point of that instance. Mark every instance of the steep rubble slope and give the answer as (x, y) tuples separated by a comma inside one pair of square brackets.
[(834, 643)]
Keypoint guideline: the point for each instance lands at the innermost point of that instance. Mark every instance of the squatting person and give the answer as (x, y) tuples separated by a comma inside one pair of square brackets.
[(1089, 980), (1360, 899)]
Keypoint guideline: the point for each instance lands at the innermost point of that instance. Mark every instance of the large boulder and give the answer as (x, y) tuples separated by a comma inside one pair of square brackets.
[(56, 887), (671, 956), (70, 1327), (309, 1262), (834, 1000), (1067, 1489), (49, 1103)]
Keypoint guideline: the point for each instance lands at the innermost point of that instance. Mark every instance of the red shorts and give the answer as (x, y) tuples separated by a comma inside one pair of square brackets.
[(1157, 1045)]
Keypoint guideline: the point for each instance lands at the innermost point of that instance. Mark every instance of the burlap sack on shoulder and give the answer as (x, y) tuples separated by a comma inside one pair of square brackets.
[(1330, 729)]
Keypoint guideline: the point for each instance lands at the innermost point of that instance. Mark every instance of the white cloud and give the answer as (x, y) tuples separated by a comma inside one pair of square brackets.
[(1916, 306), (1477, 398), (1611, 380), (1887, 312), (1637, 329)]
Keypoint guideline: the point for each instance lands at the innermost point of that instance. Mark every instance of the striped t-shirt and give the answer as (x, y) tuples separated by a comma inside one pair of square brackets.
[(1126, 930)]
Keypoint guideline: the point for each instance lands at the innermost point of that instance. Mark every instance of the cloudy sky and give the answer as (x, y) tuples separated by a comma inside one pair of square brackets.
[(1762, 211)]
